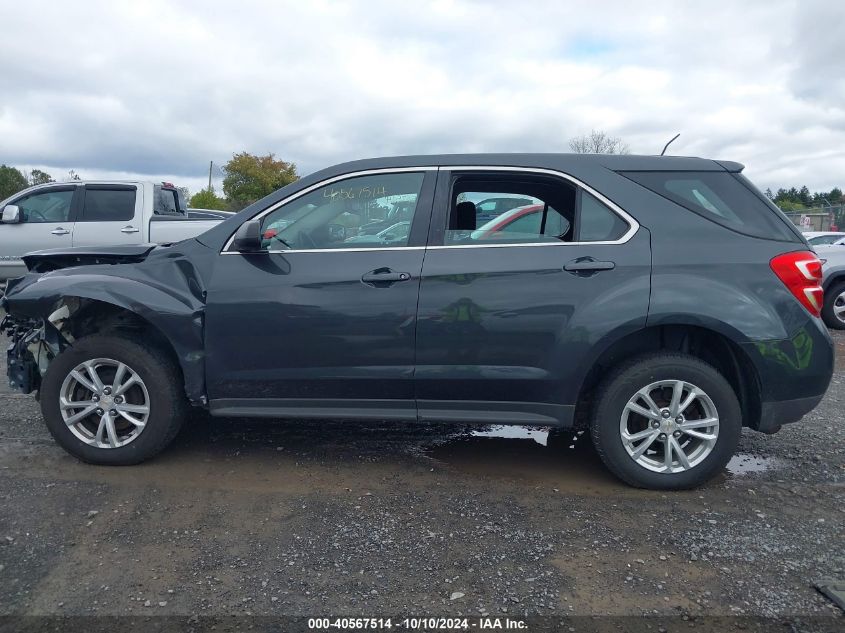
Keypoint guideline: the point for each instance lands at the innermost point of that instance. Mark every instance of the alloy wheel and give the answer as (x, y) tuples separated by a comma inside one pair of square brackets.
[(839, 307), (669, 426), (104, 403)]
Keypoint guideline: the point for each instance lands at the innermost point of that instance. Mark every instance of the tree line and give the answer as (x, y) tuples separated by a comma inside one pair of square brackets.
[(795, 199), (246, 178)]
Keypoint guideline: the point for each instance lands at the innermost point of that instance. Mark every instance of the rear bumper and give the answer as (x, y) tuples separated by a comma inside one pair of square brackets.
[(794, 374), (775, 414)]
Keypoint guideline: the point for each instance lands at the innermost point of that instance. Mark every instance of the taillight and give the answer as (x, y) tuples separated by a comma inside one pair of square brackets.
[(270, 233), (801, 272)]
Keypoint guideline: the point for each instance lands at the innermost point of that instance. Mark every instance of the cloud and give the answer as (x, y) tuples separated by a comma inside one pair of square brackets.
[(160, 88)]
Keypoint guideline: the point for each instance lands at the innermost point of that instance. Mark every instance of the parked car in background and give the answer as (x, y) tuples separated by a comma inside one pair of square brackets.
[(91, 213), (398, 209), (395, 234), (833, 270), (490, 208), (820, 238), (678, 306), (528, 220)]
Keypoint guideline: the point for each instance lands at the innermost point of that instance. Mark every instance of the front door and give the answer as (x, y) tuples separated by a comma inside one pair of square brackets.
[(46, 221), (322, 322), (512, 305)]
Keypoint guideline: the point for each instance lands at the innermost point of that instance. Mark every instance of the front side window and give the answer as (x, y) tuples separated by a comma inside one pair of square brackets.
[(108, 205), (363, 212), (46, 206)]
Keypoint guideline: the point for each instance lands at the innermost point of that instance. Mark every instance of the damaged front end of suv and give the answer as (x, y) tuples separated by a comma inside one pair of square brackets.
[(28, 354), (152, 292)]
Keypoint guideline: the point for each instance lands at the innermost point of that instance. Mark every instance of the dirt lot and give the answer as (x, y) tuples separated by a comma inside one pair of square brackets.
[(315, 519)]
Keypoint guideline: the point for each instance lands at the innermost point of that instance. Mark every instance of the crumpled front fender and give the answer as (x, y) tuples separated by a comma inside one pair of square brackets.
[(175, 306)]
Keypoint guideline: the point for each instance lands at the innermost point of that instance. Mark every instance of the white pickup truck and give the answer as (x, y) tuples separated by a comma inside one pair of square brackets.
[(91, 213)]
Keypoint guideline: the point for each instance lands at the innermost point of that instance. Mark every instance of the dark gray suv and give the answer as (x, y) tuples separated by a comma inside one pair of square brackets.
[(661, 302)]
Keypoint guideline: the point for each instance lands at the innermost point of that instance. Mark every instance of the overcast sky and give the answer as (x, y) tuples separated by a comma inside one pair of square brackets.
[(157, 89)]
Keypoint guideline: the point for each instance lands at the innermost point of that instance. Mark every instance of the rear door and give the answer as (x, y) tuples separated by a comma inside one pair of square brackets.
[(509, 317), (46, 221), (109, 215)]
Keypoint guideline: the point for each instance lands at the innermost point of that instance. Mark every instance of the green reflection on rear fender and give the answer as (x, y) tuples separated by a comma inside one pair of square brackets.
[(796, 352)]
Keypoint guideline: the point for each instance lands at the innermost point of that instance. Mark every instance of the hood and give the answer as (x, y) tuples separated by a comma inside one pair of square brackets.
[(55, 258)]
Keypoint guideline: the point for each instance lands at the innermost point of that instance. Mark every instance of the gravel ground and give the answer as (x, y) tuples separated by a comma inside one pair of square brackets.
[(316, 519)]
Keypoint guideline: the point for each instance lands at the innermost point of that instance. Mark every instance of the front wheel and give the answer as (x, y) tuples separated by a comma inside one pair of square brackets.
[(666, 421), (109, 400)]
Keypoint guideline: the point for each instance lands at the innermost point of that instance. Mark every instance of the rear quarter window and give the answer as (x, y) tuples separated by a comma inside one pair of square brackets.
[(597, 223), (725, 198)]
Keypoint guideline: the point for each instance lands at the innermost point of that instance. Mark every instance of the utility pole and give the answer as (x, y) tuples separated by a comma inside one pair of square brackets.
[(210, 165)]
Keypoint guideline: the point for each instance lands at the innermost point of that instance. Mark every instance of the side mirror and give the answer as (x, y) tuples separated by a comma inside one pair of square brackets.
[(248, 237), (11, 214)]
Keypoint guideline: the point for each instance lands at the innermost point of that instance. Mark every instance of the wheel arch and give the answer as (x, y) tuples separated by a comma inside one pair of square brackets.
[(717, 346), (96, 303), (167, 329), (833, 279)]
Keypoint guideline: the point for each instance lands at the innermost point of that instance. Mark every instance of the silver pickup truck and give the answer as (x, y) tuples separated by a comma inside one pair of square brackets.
[(91, 213)]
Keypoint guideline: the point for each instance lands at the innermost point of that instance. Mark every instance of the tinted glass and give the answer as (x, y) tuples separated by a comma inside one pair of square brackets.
[(46, 206), (366, 212), (104, 205), (597, 223), (725, 198)]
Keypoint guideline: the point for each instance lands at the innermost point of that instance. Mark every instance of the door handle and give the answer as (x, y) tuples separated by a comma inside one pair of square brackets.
[(129, 229), (59, 231), (384, 276), (587, 266)]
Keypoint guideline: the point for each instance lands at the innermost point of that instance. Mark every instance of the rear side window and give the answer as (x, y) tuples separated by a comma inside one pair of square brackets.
[(725, 198), (107, 205), (165, 201)]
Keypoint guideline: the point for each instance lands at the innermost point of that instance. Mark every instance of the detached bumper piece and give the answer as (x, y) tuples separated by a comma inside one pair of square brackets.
[(21, 365)]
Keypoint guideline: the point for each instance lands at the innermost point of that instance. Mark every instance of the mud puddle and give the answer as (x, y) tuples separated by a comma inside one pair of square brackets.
[(562, 461), (539, 435), (744, 464)]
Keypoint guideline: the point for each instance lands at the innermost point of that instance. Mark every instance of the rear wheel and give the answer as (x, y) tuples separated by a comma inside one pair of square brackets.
[(109, 400), (833, 312), (666, 421)]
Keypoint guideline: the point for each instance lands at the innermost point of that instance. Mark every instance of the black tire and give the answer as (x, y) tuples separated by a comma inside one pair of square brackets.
[(830, 297), (163, 379), (612, 398)]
